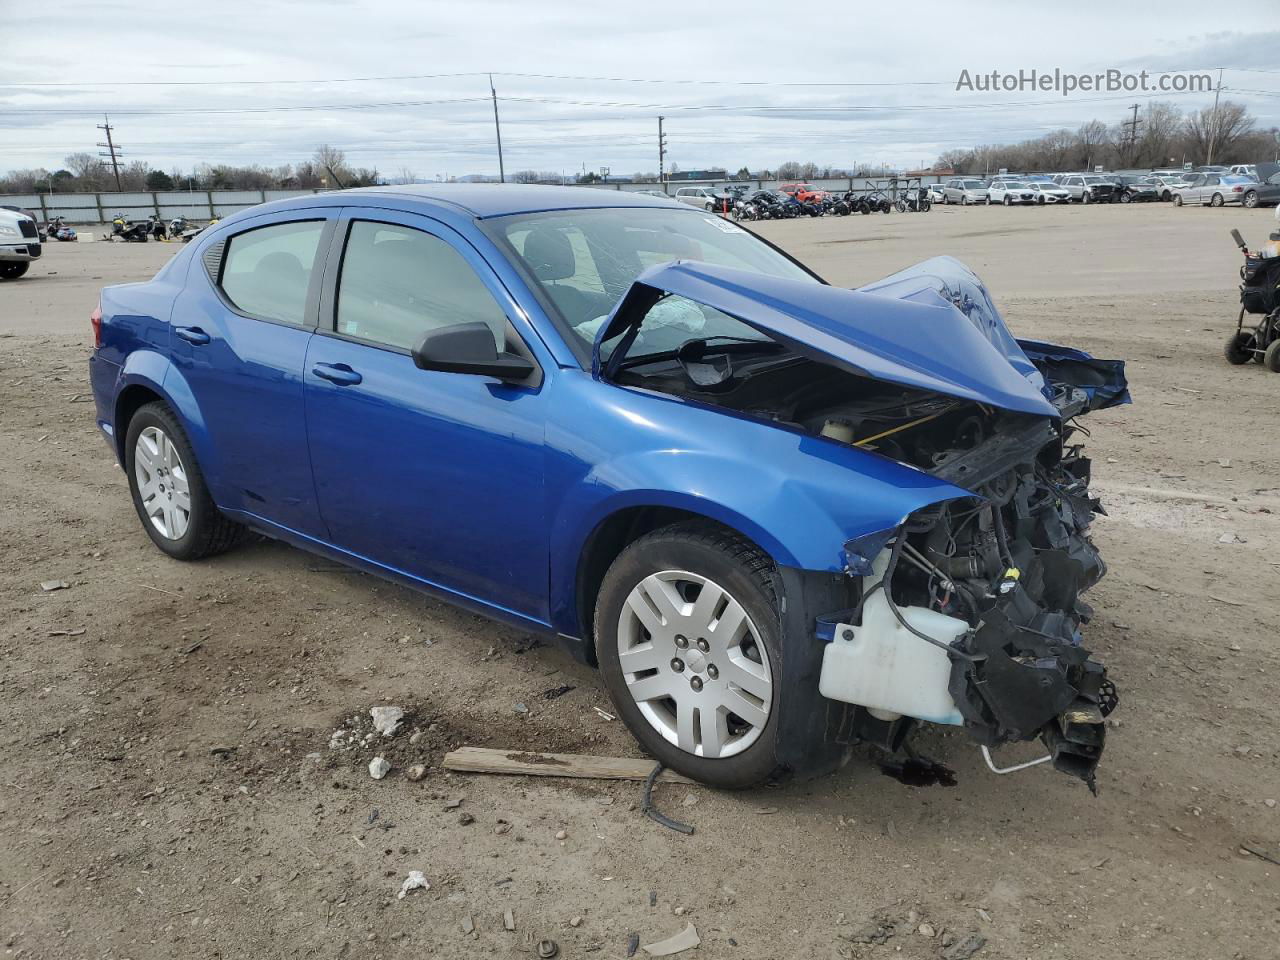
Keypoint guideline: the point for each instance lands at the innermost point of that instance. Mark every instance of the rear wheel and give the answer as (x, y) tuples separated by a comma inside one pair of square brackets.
[(1084, 197), (1271, 359), (688, 635), (169, 491), (1125, 198), (1216, 200), (13, 269), (1007, 201), (1251, 199), (1239, 348)]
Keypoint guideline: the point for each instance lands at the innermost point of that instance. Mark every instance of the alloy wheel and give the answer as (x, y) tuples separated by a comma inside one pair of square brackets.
[(162, 483), (693, 663)]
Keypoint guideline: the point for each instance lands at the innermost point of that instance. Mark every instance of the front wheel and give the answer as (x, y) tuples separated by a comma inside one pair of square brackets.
[(1125, 198), (1215, 200), (1239, 348), (688, 636), (1084, 197), (13, 269), (1177, 199), (1008, 202), (168, 488)]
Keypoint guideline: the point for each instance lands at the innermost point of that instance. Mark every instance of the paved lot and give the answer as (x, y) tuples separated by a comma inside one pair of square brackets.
[(126, 835)]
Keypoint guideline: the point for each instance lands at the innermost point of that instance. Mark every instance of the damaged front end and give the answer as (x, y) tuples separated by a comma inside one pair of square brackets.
[(992, 585), (968, 612)]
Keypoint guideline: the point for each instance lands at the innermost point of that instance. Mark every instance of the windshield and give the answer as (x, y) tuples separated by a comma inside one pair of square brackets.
[(974, 185), (1015, 185), (585, 260)]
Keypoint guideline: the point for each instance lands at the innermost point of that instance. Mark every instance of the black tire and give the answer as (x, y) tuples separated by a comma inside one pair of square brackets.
[(751, 578), (1084, 197), (1040, 200), (13, 269), (1271, 358), (208, 531), (1239, 348), (1216, 200), (1126, 198), (964, 201), (1007, 201), (1251, 199)]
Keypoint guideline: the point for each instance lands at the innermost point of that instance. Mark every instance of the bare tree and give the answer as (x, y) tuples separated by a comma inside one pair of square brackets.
[(87, 169), (1222, 128)]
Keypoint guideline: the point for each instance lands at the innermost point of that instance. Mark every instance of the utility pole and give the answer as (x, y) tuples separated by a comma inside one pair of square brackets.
[(1132, 138), (662, 150), (1213, 129), (502, 175), (112, 151)]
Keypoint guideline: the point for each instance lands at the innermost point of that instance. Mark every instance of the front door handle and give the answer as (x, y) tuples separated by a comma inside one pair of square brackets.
[(193, 335), (338, 373)]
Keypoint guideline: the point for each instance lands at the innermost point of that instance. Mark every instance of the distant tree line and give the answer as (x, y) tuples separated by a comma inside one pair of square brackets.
[(85, 173), (1164, 137)]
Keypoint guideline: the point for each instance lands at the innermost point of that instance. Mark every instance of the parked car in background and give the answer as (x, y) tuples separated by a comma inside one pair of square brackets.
[(1047, 191), (1268, 178), (1088, 188), (1249, 170), (703, 197), (936, 191), (1010, 192), (965, 190), (1217, 190), (642, 431), (1213, 168), (1133, 188), (19, 243), (654, 193), (1167, 183)]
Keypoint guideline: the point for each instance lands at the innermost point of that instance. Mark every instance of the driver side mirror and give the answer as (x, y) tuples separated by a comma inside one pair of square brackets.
[(468, 348)]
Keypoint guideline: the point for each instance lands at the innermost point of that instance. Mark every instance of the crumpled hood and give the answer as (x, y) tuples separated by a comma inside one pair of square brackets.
[(932, 327)]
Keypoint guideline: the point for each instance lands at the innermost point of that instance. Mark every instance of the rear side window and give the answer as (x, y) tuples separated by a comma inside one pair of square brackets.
[(397, 283), (266, 271)]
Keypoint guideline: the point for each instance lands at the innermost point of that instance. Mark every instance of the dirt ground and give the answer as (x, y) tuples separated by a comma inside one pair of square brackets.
[(170, 789)]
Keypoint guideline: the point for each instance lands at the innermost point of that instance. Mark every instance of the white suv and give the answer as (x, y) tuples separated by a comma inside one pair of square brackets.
[(19, 244)]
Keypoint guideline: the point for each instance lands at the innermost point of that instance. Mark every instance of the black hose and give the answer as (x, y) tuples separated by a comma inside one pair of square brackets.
[(894, 554), (652, 812)]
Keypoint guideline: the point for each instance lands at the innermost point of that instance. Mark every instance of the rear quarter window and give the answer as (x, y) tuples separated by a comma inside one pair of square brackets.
[(266, 271)]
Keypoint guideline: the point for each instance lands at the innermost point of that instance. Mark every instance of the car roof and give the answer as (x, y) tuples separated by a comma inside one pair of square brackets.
[(482, 200)]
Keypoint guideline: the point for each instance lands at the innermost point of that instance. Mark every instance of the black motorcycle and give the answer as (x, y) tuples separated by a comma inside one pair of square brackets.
[(130, 231), (1260, 296)]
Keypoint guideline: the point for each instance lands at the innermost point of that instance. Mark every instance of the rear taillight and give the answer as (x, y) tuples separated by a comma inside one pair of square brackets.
[(1237, 189), (95, 319)]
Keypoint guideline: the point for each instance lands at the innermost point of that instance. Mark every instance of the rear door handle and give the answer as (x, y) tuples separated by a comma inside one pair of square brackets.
[(193, 335), (338, 373)]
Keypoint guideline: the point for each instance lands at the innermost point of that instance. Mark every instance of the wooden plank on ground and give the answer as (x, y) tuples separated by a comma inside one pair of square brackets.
[(522, 763)]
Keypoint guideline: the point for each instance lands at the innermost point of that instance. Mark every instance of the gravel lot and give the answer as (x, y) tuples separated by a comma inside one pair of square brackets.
[(170, 789)]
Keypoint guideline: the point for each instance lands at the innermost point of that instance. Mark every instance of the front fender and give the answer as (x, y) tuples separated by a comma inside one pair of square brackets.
[(800, 498)]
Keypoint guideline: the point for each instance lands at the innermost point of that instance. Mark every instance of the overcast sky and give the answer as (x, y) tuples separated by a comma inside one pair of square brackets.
[(773, 83)]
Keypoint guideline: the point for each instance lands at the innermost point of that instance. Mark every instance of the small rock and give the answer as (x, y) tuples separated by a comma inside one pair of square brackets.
[(562, 835), (1224, 462), (575, 921), (548, 949), (965, 947), (1232, 538), (466, 819), (49, 586), (502, 827), (508, 920), (379, 768), (415, 737), (926, 930), (414, 881), (416, 772), (689, 800), (521, 709), (386, 719), (453, 804), (1270, 803), (468, 926)]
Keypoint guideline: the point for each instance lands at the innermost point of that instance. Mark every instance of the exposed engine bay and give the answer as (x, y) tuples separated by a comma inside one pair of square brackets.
[(1006, 566)]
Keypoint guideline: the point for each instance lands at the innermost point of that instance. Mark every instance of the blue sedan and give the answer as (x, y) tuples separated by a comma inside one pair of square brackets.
[(781, 517)]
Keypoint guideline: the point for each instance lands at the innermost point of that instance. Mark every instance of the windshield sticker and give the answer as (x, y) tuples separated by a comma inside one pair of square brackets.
[(724, 226)]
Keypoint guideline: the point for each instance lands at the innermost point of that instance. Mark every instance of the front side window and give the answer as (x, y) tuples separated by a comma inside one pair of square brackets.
[(397, 283), (266, 271)]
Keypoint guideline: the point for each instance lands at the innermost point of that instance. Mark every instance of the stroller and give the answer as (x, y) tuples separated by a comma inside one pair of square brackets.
[(1259, 295)]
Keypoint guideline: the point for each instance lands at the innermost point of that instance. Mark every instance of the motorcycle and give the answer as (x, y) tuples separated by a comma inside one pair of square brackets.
[(130, 231), (191, 232), (58, 229), (156, 227)]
